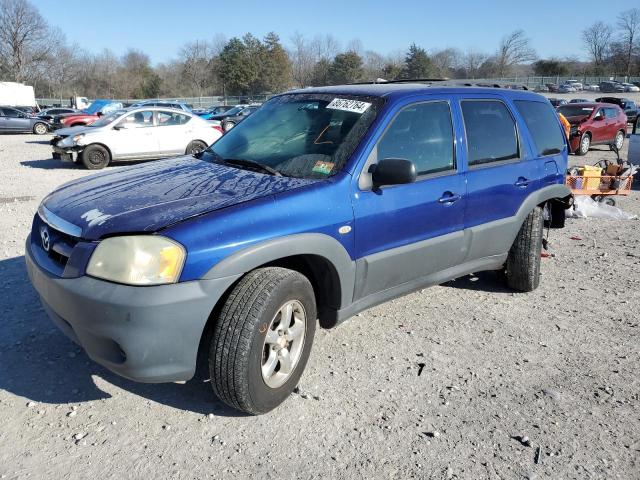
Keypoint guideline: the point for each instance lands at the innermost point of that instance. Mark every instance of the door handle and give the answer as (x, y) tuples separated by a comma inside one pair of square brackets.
[(522, 182), (448, 198)]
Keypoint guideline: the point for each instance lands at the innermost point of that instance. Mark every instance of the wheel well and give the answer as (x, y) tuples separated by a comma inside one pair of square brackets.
[(78, 124), (326, 285)]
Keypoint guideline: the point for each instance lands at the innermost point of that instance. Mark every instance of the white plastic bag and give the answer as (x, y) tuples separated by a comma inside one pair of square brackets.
[(586, 207)]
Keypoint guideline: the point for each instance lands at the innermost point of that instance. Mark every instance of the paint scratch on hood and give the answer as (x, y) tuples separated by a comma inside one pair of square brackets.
[(95, 217)]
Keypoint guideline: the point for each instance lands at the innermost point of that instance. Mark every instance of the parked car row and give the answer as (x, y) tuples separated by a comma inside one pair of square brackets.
[(572, 86)]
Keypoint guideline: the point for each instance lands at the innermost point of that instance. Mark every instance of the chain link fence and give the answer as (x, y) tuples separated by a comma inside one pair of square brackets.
[(206, 102)]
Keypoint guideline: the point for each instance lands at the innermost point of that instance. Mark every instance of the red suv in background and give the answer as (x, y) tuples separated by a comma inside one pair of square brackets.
[(594, 124)]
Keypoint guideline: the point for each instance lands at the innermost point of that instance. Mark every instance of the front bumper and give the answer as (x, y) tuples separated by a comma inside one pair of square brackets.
[(146, 334), (66, 153)]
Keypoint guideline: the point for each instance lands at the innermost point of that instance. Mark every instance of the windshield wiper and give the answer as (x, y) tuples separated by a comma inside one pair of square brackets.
[(241, 162)]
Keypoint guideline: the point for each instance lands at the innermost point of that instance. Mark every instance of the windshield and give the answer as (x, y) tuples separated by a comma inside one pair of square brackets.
[(107, 119), (233, 111), (299, 135), (575, 111)]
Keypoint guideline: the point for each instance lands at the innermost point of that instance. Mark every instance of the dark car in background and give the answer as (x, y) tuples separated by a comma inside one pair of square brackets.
[(48, 114), (578, 100), (629, 106), (594, 124), (611, 87), (557, 102), (231, 118), (14, 120)]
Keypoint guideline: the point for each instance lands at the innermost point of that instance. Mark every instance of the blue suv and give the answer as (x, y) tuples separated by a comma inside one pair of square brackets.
[(323, 203)]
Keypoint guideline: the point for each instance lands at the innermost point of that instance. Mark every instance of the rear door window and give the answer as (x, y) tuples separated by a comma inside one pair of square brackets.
[(543, 125), (491, 132), (422, 133), (166, 119), (610, 113)]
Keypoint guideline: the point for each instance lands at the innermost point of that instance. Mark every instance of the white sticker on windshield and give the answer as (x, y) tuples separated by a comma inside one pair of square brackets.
[(347, 105)]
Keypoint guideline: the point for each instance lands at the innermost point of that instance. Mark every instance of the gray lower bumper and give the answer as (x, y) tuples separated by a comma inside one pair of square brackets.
[(70, 153), (147, 334)]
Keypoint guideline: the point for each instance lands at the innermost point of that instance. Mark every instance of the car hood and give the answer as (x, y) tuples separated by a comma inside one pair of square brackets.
[(150, 196)]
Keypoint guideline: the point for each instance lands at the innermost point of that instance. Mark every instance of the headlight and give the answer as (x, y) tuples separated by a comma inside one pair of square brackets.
[(77, 137), (137, 260)]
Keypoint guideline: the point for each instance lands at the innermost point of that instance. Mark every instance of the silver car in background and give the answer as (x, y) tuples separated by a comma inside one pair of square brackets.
[(142, 133)]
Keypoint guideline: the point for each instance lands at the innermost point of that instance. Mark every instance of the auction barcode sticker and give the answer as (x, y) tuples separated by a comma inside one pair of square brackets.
[(347, 105)]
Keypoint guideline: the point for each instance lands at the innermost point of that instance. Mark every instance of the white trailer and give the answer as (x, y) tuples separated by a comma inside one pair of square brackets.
[(17, 95)]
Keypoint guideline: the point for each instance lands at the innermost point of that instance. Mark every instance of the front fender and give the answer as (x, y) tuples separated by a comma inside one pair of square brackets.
[(268, 251)]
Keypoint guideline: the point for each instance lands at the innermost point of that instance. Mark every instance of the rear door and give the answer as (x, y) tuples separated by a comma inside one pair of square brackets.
[(501, 172), (174, 131), (405, 232)]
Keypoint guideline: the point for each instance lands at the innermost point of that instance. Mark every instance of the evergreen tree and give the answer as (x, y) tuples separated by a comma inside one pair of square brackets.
[(346, 68), (276, 66), (417, 63)]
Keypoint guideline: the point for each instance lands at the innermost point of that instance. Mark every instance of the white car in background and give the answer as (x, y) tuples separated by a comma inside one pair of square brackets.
[(142, 133), (592, 88), (630, 87), (575, 84)]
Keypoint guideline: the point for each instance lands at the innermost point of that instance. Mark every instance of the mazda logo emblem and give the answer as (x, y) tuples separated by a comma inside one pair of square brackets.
[(44, 237)]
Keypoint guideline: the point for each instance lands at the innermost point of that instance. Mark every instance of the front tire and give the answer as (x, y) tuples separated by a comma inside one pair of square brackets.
[(585, 144), (262, 339), (40, 129), (95, 157), (522, 269)]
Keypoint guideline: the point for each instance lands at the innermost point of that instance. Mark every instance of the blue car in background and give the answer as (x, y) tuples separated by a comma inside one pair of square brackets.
[(208, 114), (322, 203)]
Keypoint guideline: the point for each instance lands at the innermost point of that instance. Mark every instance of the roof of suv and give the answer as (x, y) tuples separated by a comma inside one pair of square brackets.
[(407, 89)]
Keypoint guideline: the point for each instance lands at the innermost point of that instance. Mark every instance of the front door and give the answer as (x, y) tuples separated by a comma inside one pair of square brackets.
[(16, 120), (134, 137), (406, 232)]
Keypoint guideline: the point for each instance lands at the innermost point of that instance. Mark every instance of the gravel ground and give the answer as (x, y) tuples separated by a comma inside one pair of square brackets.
[(462, 381)]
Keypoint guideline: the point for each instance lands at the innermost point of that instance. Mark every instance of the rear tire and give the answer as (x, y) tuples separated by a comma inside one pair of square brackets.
[(226, 126), (196, 147), (618, 142), (522, 269), (259, 346), (40, 129), (585, 144), (95, 157)]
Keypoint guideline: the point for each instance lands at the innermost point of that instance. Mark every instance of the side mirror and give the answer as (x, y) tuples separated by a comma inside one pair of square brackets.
[(392, 171), (123, 126), (99, 114)]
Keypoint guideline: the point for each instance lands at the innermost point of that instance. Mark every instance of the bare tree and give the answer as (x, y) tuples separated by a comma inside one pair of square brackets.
[(446, 61), (515, 48), (197, 60), (597, 39), (471, 63), (302, 60), (629, 24), (24, 38)]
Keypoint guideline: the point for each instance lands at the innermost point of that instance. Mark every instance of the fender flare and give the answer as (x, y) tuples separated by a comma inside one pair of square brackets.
[(317, 244)]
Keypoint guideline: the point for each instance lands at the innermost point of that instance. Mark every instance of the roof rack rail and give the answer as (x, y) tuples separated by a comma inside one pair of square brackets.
[(449, 82), (401, 80)]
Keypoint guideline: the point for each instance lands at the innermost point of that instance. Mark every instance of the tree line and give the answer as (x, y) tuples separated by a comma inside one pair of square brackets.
[(33, 52)]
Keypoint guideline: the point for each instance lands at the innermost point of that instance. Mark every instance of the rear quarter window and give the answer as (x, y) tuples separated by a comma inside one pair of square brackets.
[(543, 125)]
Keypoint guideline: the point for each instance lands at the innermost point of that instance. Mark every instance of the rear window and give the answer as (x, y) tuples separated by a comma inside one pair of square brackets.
[(610, 112), (574, 111), (491, 132), (542, 122)]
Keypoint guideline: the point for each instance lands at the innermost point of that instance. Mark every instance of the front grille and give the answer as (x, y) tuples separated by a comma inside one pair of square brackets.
[(53, 243)]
